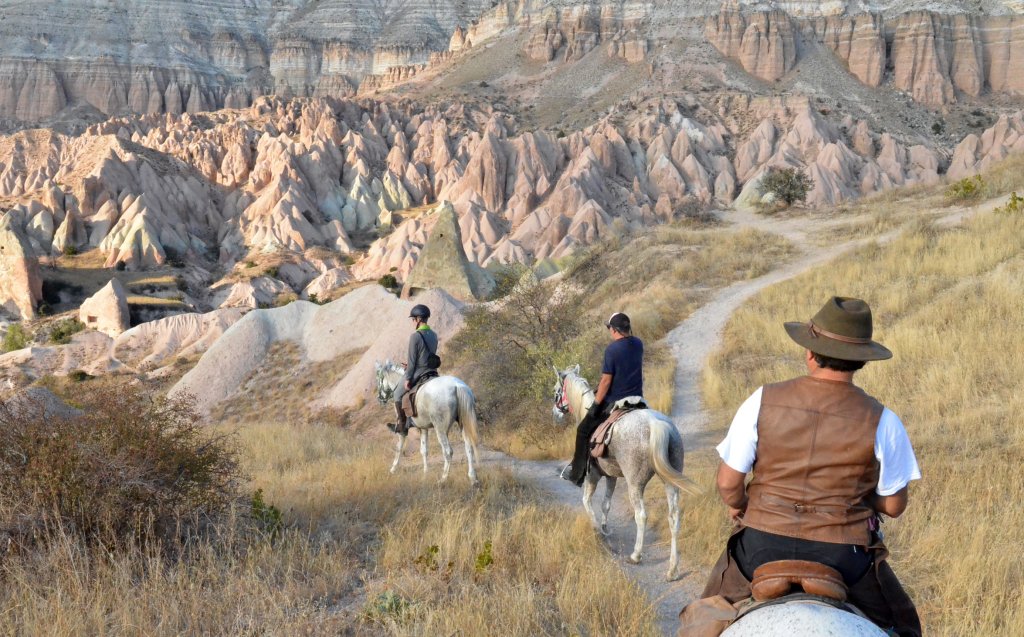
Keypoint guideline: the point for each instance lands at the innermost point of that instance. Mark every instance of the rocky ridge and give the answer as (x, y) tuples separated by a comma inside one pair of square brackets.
[(296, 176)]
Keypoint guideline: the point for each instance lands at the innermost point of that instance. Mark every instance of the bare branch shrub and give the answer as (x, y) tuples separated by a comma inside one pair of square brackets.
[(126, 467)]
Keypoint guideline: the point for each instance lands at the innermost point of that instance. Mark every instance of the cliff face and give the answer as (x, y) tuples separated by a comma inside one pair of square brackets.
[(934, 57), (175, 56)]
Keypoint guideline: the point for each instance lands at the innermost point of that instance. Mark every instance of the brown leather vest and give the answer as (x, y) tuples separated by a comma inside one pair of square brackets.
[(816, 462)]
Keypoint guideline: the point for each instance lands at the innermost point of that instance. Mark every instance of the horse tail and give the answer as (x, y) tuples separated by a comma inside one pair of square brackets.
[(467, 412), (660, 439)]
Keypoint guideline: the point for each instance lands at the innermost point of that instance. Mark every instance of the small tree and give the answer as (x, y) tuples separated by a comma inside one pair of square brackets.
[(16, 337), (508, 348), (789, 185)]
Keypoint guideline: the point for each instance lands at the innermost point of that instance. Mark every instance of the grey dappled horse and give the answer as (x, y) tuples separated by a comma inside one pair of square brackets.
[(440, 403), (803, 617), (643, 443)]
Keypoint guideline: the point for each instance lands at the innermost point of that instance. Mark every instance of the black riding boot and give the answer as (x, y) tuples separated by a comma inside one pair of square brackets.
[(401, 426), (581, 455)]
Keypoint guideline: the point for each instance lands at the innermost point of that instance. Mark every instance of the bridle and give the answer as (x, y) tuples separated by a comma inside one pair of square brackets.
[(385, 392)]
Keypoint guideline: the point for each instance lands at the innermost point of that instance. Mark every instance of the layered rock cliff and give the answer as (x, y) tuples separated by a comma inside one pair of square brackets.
[(936, 58)]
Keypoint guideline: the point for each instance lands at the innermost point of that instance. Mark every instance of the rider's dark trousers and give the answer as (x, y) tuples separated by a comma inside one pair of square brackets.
[(586, 429), (878, 594)]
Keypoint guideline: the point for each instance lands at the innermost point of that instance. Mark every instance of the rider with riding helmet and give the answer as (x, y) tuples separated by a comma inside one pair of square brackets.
[(622, 376), (827, 460), (422, 364)]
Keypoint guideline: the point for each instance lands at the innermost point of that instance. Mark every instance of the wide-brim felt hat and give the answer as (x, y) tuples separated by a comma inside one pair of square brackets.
[(841, 329)]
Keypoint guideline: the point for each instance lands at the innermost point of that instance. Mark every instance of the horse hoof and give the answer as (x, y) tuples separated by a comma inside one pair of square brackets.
[(635, 558), (672, 575)]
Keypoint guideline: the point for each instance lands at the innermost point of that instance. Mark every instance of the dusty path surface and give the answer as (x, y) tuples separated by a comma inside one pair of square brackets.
[(692, 343)]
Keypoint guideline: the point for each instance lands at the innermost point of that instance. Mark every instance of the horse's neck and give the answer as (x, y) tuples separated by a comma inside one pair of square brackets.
[(395, 376), (581, 397)]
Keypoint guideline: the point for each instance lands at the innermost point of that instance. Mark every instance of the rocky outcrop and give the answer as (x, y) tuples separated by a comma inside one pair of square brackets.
[(21, 287), (858, 41), (442, 263), (763, 42), (976, 153), (325, 287), (369, 323), (107, 310)]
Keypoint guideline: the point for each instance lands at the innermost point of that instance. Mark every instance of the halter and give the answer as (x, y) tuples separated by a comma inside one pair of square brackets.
[(561, 401)]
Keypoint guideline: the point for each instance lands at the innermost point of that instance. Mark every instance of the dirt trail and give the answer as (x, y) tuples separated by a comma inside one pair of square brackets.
[(692, 343)]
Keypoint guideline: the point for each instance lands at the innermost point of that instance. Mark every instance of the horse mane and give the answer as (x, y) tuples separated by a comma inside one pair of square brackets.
[(579, 394)]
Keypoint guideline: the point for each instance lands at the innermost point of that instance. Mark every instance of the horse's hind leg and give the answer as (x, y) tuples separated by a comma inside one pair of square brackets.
[(606, 506), (470, 458), (672, 493), (398, 452), (423, 448), (446, 448), (636, 498)]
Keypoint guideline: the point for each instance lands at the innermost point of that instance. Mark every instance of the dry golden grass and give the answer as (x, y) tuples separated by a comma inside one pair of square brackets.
[(948, 303), (355, 558)]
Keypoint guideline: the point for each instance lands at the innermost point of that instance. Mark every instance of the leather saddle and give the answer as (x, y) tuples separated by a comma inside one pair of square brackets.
[(776, 579), (409, 399)]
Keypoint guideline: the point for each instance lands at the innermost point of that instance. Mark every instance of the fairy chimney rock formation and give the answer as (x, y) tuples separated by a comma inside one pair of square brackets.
[(107, 310), (442, 263), (21, 287)]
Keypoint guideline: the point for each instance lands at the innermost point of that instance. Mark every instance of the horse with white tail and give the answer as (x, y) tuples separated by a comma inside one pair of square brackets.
[(440, 403), (643, 443)]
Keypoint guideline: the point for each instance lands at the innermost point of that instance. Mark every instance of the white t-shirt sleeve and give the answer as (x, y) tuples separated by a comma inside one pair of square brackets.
[(739, 449), (897, 463)]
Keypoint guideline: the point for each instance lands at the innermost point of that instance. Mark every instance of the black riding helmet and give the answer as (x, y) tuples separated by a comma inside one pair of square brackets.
[(420, 312)]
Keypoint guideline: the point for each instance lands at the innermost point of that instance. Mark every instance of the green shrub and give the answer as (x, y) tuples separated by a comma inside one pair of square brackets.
[(271, 272), (509, 348), (789, 185), (388, 281), (70, 251), (1015, 205), (250, 264), (63, 330), (938, 127), (129, 467), (267, 517), (16, 337), (313, 298), (965, 189)]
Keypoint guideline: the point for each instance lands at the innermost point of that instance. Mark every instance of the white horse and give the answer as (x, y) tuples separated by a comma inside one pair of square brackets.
[(643, 443), (804, 617), (440, 403)]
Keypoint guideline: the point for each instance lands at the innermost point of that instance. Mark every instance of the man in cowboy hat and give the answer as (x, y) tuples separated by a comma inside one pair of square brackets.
[(622, 376), (828, 461), (421, 366)]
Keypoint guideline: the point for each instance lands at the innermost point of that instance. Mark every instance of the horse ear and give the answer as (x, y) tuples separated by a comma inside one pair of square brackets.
[(576, 370)]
